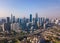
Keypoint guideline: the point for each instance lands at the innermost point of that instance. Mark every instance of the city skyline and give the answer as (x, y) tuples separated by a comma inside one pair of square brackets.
[(29, 21), (23, 8)]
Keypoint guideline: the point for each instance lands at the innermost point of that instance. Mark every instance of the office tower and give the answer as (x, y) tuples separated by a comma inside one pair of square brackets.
[(13, 19), (8, 19), (3, 20), (36, 20), (27, 20), (47, 19), (43, 20), (30, 17), (15, 26), (2, 27), (39, 21), (56, 21), (24, 21), (36, 16), (7, 27), (44, 26), (33, 20), (18, 20)]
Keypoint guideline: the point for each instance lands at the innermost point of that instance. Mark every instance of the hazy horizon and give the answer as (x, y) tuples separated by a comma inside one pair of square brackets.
[(23, 8)]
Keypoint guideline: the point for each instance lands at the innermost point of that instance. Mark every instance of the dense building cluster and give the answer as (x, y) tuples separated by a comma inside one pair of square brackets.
[(29, 30), (26, 24)]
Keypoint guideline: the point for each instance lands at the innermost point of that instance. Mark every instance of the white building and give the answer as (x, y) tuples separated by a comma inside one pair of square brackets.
[(2, 26), (15, 27), (57, 21)]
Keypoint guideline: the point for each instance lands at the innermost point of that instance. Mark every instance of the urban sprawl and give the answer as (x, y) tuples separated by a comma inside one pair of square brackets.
[(29, 30)]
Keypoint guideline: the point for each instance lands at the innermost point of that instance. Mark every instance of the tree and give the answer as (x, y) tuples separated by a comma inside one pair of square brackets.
[(15, 41)]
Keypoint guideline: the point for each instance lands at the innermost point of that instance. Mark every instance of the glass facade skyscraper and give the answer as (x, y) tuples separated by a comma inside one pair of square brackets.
[(30, 17), (8, 19)]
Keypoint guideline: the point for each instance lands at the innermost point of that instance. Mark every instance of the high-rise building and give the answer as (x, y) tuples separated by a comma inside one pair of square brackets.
[(8, 19), (36, 16), (39, 21), (27, 20), (47, 19), (56, 21), (3, 20), (13, 19), (18, 20), (15, 27), (2, 26), (36, 20), (7, 27), (30, 17)]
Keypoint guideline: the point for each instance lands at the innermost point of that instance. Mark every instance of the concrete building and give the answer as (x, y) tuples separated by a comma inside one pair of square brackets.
[(7, 27), (15, 26), (2, 26), (56, 21)]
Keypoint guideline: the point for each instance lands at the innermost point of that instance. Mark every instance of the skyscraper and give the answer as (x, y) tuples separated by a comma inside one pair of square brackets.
[(3, 20), (30, 17), (36, 20), (13, 19), (7, 27), (39, 20), (18, 20), (36, 16), (8, 19)]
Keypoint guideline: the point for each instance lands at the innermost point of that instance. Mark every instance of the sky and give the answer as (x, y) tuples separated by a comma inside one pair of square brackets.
[(23, 8)]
